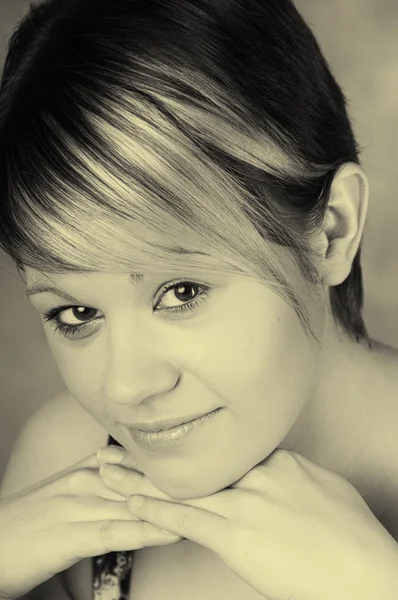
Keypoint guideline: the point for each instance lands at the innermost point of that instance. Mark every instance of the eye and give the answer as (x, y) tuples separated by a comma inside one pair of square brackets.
[(188, 294), (184, 292), (73, 321), (76, 315), (78, 322)]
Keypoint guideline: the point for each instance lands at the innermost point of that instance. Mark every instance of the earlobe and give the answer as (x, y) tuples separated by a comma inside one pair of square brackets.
[(344, 223)]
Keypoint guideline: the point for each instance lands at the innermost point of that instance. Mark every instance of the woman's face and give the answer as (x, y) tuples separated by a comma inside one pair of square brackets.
[(140, 353)]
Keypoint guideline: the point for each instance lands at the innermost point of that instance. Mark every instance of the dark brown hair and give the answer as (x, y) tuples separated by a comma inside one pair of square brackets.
[(194, 132)]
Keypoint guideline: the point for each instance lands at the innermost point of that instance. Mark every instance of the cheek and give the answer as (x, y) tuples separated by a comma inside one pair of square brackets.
[(272, 350), (263, 365), (80, 368)]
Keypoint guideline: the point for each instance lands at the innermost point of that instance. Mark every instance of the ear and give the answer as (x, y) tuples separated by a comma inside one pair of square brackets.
[(343, 224)]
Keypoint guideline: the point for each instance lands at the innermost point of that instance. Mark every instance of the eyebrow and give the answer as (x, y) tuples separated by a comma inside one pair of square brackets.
[(49, 289), (40, 288)]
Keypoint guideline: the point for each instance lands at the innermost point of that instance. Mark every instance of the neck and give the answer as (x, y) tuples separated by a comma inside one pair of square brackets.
[(351, 400)]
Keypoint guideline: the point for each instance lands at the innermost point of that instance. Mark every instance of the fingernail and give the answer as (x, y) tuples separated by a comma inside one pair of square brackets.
[(111, 454), (112, 472)]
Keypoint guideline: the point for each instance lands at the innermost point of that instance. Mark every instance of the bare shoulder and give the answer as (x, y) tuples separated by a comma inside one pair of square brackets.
[(59, 434), (379, 469)]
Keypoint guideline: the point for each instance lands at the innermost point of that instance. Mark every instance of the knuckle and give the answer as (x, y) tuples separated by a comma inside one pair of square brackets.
[(283, 456), (185, 517), (147, 534), (140, 484), (143, 533), (107, 530), (283, 459), (253, 478)]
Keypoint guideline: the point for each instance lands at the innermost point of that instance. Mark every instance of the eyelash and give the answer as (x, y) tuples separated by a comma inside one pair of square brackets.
[(52, 316)]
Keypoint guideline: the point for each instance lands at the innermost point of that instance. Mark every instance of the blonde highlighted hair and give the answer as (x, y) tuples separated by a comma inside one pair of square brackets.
[(152, 137)]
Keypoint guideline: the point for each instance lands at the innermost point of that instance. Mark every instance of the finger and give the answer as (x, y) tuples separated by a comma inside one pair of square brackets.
[(118, 455), (291, 466), (101, 537), (92, 508), (313, 468), (81, 482), (320, 473), (88, 463), (127, 482), (282, 467), (200, 526)]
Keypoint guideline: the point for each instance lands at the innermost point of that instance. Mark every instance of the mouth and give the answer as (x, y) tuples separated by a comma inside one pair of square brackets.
[(157, 438), (166, 424)]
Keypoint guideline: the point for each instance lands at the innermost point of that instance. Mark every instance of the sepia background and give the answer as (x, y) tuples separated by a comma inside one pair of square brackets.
[(360, 40)]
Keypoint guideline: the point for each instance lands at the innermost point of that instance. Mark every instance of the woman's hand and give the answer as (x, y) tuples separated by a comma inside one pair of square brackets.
[(53, 524), (289, 528)]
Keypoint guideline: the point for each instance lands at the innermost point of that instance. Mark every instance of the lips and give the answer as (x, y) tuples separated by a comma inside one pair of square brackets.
[(173, 438), (165, 424)]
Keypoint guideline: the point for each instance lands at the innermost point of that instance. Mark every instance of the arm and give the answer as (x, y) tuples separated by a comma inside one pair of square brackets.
[(31, 461)]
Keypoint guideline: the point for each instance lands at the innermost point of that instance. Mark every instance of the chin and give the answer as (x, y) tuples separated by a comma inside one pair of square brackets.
[(187, 489)]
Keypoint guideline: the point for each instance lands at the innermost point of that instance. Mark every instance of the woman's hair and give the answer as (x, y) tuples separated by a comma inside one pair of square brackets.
[(149, 135)]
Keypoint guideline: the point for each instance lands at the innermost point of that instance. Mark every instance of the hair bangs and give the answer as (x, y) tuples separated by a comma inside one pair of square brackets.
[(137, 190)]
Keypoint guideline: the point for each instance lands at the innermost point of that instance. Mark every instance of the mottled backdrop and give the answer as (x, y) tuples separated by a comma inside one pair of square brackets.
[(360, 39)]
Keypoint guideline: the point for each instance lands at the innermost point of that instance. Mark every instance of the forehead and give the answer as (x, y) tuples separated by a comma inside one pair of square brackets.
[(34, 275), (38, 280)]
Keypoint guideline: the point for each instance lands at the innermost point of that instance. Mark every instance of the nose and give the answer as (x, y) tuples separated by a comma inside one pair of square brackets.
[(137, 370)]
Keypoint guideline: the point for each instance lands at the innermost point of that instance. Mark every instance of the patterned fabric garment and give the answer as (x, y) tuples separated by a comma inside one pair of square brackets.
[(112, 571)]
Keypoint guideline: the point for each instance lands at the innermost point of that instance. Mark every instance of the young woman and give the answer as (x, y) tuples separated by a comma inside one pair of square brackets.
[(182, 192)]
